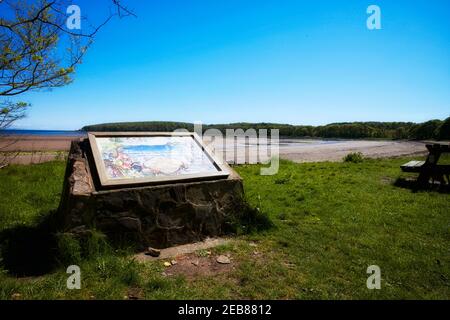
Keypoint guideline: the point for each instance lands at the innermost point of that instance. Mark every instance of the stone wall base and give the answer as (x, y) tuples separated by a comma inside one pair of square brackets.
[(153, 215)]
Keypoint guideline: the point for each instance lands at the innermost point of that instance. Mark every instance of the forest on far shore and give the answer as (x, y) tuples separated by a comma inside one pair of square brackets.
[(433, 129)]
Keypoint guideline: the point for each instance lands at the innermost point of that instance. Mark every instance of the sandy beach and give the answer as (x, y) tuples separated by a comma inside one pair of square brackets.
[(313, 150), (35, 149), (337, 150), (32, 143), (27, 149)]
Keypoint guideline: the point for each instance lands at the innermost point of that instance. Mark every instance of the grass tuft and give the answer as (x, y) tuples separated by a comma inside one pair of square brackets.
[(354, 157)]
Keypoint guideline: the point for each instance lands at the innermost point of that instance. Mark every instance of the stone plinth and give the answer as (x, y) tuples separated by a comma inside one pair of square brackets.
[(150, 215)]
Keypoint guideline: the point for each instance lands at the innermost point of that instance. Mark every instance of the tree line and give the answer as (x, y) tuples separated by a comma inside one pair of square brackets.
[(433, 129)]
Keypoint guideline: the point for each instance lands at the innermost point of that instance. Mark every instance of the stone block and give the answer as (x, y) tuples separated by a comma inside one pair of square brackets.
[(160, 215)]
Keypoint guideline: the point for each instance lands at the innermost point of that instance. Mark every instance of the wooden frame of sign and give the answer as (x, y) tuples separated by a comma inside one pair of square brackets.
[(116, 168)]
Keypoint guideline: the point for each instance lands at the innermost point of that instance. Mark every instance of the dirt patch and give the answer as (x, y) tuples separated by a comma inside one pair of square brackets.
[(192, 266), (185, 249)]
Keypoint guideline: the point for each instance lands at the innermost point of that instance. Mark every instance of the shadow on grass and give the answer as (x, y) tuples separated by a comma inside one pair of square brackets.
[(414, 186), (250, 221), (29, 251)]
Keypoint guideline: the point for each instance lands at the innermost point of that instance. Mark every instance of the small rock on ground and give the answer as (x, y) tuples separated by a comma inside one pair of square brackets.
[(16, 296), (153, 252), (223, 259)]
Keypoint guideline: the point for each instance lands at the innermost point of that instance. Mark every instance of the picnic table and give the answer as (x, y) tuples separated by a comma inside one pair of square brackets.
[(429, 169)]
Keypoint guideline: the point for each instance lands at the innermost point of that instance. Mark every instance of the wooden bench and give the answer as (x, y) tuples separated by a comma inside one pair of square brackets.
[(412, 166), (429, 168)]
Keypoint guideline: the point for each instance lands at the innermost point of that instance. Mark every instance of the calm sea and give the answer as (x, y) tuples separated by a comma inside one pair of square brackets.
[(45, 132)]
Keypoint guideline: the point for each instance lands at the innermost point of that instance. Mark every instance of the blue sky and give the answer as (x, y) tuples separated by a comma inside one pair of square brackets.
[(298, 62)]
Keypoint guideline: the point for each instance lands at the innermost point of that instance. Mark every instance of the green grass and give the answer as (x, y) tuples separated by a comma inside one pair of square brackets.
[(29, 192), (331, 221)]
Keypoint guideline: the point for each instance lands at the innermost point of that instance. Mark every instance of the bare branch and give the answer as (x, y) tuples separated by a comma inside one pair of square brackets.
[(32, 41)]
